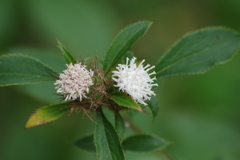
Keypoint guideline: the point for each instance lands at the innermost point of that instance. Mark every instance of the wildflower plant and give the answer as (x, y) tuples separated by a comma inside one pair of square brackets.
[(119, 82)]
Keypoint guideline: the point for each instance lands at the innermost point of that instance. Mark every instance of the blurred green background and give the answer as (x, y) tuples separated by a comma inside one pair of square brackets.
[(198, 114)]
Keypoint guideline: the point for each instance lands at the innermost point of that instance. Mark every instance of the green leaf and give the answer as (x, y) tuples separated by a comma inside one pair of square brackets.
[(86, 143), (199, 51), (47, 114), (119, 125), (125, 100), (143, 143), (123, 42), (42, 91), (66, 54), (106, 140), (17, 69), (153, 105)]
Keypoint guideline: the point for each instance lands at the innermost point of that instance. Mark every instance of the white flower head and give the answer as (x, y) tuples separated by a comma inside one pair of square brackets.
[(74, 82), (135, 80)]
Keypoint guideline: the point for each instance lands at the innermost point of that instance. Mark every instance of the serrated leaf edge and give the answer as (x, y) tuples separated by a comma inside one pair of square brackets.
[(196, 73), (150, 23), (27, 56), (69, 58)]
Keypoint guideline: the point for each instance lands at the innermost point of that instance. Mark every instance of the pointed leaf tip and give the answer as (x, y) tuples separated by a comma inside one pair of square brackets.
[(47, 114), (68, 57), (123, 42), (199, 51)]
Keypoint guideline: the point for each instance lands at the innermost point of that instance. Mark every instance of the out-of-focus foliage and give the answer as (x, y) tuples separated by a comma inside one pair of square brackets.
[(198, 114)]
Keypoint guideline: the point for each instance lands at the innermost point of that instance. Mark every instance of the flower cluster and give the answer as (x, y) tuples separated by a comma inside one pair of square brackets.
[(74, 82), (135, 80), (131, 78)]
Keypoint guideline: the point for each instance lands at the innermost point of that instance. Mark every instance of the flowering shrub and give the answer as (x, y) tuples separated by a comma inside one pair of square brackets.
[(92, 85)]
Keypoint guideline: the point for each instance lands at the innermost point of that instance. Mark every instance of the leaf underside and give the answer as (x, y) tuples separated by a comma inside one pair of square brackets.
[(199, 51)]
